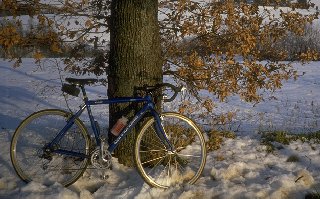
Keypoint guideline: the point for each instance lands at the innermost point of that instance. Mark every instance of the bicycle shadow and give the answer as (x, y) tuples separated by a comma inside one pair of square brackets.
[(16, 103), (51, 78), (5, 166), (8, 122), (15, 97)]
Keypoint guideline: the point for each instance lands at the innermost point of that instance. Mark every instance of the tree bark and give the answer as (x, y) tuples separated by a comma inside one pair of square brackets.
[(135, 58)]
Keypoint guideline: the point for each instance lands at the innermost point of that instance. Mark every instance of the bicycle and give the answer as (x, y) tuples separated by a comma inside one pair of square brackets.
[(53, 145)]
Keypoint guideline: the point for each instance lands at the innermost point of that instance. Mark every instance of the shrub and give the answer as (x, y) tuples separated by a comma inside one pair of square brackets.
[(269, 138), (294, 45), (293, 158), (216, 139)]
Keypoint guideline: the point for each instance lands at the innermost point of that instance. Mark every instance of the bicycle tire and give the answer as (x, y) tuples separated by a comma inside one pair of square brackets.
[(30, 161), (161, 168)]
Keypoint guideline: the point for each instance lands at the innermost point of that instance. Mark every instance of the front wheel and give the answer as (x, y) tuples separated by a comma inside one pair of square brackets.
[(160, 167), (34, 162)]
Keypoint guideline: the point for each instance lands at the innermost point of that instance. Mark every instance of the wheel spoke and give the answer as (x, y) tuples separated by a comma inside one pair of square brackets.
[(30, 160), (157, 140), (149, 147), (196, 156), (153, 150), (153, 159), (160, 167), (155, 166)]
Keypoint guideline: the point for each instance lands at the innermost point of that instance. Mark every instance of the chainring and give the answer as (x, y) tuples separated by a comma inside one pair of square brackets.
[(98, 162)]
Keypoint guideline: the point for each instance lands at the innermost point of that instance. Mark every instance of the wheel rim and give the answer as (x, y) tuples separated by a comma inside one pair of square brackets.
[(163, 168), (33, 163)]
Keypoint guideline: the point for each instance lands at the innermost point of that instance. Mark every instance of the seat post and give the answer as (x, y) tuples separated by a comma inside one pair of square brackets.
[(84, 93)]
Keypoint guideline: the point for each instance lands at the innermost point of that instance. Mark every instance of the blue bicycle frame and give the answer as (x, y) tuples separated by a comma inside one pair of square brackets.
[(147, 107)]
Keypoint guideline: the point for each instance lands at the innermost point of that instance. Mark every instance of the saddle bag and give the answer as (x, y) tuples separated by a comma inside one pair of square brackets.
[(70, 89)]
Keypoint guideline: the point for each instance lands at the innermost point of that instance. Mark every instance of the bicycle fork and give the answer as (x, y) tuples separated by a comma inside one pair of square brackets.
[(162, 134)]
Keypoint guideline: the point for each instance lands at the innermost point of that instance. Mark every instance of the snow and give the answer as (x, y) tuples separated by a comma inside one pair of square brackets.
[(241, 168), (294, 108)]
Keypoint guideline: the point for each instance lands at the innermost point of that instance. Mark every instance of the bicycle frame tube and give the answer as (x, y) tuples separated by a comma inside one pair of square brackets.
[(159, 130), (87, 106), (117, 100), (70, 122), (90, 103), (149, 106), (132, 123)]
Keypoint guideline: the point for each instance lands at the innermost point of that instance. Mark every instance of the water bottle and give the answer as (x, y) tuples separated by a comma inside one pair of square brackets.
[(120, 124)]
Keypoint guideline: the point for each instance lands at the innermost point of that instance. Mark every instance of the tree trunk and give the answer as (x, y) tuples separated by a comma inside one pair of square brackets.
[(135, 58)]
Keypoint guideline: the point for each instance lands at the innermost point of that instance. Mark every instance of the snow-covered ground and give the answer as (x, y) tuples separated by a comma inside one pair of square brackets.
[(240, 169)]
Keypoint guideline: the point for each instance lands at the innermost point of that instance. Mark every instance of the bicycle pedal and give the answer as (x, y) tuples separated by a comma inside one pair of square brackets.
[(104, 177)]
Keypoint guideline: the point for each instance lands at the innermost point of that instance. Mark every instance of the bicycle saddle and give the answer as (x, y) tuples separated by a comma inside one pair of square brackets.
[(81, 81)]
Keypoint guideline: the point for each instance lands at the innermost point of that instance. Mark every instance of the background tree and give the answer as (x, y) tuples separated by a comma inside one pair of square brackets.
[(223, 47), (218, 47), (135, 56)]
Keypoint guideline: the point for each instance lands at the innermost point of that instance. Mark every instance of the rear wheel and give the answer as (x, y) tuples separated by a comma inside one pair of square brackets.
[(34, 162), (160, 167)]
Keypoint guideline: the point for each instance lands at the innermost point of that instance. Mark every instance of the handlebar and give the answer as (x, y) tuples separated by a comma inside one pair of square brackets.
[(173, 88), (152, 89)]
